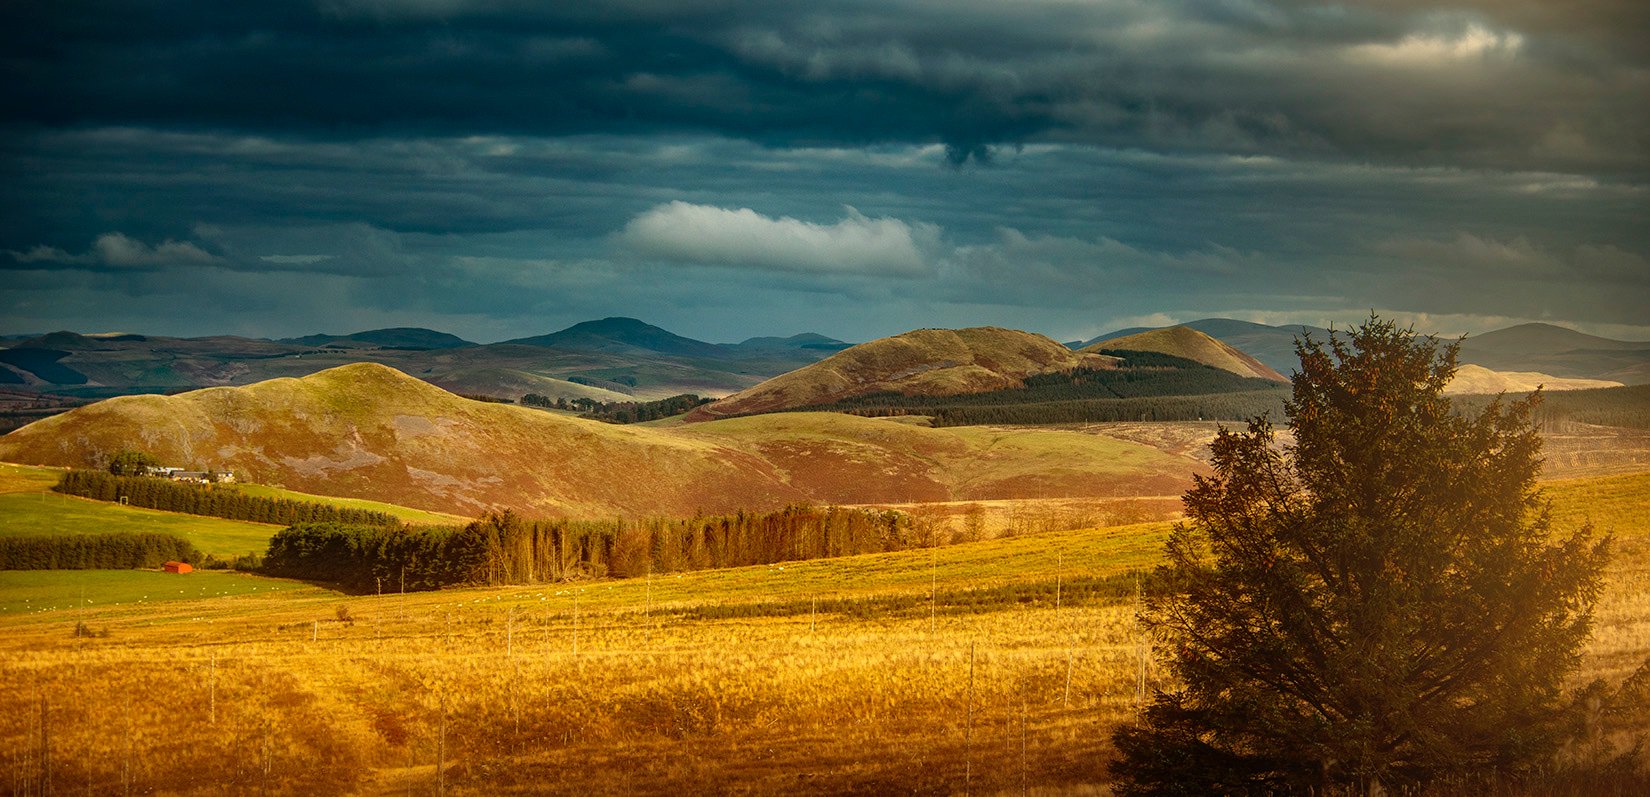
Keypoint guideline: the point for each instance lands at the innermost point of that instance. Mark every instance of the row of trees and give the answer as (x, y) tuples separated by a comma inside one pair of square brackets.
[(1610, 406), (507, 549), (1215, 406), (200, 499), (365, 559), (116, 551), (618, 411)]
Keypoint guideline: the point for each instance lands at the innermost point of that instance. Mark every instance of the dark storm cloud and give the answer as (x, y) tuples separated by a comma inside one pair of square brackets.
[(731, 168), (497, 237), (1478, 83)]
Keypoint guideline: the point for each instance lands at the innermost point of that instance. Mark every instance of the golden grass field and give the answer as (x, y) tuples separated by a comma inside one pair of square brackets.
[(995, 666)]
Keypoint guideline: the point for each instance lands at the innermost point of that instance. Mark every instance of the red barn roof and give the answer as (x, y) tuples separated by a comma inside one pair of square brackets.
[(177, 567)]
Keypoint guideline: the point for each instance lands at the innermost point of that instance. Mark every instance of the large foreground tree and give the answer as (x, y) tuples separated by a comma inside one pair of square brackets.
[(1377, 603)]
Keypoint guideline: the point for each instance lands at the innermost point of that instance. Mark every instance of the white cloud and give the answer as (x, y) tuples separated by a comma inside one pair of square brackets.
[(47, 254), (1064, 261), (1476, 42), (685, 232), (116, 249), (122, 251)]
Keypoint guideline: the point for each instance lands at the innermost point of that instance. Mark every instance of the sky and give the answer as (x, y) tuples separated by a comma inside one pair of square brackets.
[(732, 168)]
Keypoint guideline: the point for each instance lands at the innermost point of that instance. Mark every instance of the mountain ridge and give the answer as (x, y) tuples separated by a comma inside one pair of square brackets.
[(395, 337)]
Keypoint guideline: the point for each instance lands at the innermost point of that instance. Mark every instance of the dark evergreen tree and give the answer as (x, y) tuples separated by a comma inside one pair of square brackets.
[(1378, 604), (132, 463)]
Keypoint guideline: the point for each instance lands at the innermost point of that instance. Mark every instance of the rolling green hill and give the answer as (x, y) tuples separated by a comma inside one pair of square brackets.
[(38, 513), (1190, 344), (926, 362), (367, 431)]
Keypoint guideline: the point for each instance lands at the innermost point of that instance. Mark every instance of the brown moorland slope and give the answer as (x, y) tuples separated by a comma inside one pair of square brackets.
[(924, 362), (1191, 344), (1478, 379), (369, 431)]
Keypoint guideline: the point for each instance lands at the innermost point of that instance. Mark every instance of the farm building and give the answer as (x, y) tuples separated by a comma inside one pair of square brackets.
[(178, 567), (196, 476)]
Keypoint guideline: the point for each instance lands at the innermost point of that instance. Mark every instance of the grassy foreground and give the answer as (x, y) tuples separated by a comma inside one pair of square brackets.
[(994, 666), (54, 592)]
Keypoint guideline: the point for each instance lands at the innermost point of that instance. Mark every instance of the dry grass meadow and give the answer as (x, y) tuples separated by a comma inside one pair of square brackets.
[(989, 667)]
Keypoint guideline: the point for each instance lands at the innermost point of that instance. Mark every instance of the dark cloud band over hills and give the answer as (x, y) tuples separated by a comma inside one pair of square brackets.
[(505, 167)]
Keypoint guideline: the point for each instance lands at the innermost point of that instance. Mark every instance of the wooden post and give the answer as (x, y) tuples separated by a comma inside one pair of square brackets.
[(441, 752), (269, 754), (1140, 652), (212, 691), (933, 588), (126, 759), (45, 746), (1066, 701), (1059, 573), (968, 729), (1024, 765)]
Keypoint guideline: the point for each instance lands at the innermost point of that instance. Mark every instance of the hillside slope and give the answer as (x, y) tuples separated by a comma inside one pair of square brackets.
[(369, 431), (1191, 344), (1559, 351), (1274, 346), (1478, 379), (925, 362)]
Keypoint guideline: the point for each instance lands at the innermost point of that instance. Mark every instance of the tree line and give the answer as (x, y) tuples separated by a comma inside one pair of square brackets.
[(508, 549), (224, 502), (1217, 406), (618, 411), (1608, 406), (114, 551)]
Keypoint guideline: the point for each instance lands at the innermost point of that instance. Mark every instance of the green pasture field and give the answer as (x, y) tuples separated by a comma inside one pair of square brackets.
[(52, 513), (417, 517), (36, 591)]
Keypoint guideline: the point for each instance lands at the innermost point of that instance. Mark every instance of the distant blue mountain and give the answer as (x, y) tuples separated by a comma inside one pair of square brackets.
[(393, 337)]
